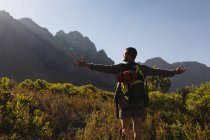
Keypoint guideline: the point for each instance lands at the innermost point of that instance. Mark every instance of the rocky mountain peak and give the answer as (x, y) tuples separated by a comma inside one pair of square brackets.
[(102, 53), (157, 62), (30, 24), (75, 35), (60, 33), (28, 21), (5, 14)]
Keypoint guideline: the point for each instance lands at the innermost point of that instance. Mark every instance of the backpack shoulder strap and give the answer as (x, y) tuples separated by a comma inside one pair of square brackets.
[(139, 70)]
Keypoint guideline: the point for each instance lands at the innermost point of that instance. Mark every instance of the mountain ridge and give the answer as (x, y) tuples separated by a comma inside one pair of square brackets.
[(26, 53), (31, 51), (195, 74)]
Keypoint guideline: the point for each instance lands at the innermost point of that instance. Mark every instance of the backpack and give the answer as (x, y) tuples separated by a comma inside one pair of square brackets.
[(133, 85)]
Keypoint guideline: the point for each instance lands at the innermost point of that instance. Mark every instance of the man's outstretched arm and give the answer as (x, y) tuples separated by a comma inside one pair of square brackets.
[(82, 63), (162, 73), (110, 69)]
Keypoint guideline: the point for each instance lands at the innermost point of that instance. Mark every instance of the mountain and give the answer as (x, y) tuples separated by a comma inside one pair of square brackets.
[(195, 74), (31, 25), (30, 51), (157, 62), (75, 42)]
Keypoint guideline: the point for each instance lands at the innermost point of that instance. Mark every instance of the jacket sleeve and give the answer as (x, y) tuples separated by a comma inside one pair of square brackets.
[(148, 71), (110, 69)]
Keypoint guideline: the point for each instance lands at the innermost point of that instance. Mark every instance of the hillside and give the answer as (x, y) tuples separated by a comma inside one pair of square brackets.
[(195, 74), (30, 51), (37, 109)]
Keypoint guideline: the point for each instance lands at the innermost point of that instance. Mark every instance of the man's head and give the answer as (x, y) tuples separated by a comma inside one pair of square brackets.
[(130, 54)]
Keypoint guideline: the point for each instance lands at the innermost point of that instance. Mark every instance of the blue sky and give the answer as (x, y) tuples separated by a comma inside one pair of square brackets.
[(176, 30)]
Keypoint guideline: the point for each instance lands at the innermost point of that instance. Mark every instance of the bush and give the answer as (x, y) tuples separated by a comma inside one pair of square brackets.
[(36, 109)]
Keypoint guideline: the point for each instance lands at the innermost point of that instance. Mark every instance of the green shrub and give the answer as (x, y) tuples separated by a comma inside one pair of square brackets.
[(36, 109)]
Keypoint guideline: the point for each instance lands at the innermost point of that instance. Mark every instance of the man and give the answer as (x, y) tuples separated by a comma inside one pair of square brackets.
[(127, 112)]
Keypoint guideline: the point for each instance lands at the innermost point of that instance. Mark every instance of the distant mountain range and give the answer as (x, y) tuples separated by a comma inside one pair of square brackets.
[(30, 51), (196, 73)]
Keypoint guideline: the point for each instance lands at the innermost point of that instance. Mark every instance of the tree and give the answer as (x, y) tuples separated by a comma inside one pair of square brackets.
[(156, 83)]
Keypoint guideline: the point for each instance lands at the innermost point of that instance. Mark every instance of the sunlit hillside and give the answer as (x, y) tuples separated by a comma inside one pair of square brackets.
[(41, 110)]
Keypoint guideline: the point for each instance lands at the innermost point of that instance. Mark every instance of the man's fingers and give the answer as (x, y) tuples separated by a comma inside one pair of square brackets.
[(179, 66), (81, 62), (180, 70)]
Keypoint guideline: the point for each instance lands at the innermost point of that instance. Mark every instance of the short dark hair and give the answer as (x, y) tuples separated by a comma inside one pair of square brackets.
[(132, 51)]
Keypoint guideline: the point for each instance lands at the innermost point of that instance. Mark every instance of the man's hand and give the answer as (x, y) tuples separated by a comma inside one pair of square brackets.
[(82, 63), (180, 70)]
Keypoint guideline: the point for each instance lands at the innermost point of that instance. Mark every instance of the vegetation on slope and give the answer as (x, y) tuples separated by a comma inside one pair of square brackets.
[(35, 109)]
